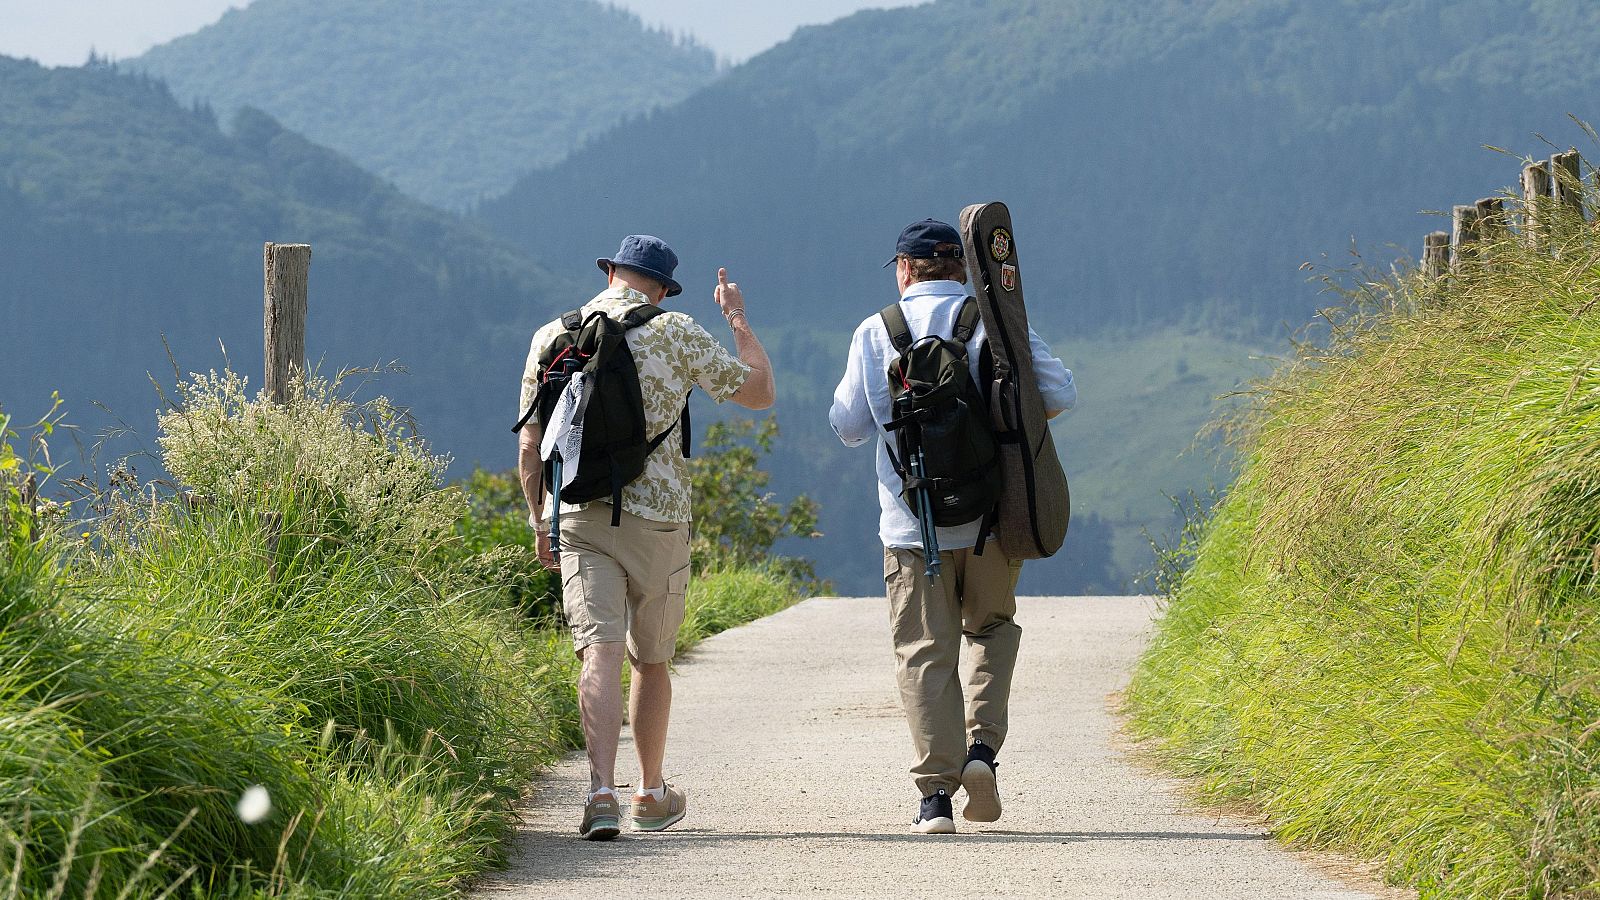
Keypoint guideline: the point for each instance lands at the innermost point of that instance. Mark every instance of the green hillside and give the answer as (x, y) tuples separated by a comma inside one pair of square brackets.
[(126, 217), (1170, 165), (1388, 638), (449, 99)]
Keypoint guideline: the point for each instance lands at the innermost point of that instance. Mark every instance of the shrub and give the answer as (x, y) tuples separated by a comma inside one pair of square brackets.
[(737, 523), (498, 546)]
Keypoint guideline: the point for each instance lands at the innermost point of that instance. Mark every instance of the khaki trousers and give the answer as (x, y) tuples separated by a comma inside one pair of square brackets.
[(973, 603)]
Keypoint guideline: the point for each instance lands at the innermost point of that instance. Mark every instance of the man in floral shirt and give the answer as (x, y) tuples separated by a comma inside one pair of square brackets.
[(623, 587)]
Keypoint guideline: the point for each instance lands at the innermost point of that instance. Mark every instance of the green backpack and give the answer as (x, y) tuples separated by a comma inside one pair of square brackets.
[(941, 418)]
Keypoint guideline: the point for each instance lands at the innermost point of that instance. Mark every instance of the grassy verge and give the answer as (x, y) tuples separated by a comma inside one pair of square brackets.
[(314, 625), (1388, 638), (729, 598)]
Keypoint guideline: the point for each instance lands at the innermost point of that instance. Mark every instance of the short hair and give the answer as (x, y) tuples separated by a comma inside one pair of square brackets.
[(940, 268)]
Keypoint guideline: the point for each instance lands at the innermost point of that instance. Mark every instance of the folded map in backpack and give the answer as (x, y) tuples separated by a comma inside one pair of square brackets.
[(563, 437)]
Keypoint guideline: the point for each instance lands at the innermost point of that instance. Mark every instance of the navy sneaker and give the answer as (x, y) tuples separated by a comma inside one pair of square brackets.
[(977, 777), (935, 815)]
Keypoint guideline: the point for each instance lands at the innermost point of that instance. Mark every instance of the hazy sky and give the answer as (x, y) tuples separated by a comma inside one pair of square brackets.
[(61, 32)]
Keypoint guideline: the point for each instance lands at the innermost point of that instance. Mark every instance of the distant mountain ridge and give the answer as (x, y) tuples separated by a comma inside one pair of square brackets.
[(1118, 132), (127, 219), (450, 99)]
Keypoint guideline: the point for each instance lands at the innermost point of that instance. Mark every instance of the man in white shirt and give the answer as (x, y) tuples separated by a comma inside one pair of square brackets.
[(974, 601)]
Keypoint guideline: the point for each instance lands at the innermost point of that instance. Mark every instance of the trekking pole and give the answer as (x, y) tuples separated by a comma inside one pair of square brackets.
[(911, 450), (930, 532), (555, 506)]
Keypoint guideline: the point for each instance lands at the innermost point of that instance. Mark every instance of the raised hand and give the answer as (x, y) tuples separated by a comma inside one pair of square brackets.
[(728, 296)]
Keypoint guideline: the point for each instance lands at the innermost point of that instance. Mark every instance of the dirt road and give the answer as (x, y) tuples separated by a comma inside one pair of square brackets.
[(788, 736)]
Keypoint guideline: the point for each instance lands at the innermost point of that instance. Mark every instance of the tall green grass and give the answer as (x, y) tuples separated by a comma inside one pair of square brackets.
[(1388, 638), (730, 597), (298, 623), (305, 612)]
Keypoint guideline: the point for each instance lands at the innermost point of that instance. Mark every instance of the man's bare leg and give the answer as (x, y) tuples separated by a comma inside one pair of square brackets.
[(600, 706), (649, 708)]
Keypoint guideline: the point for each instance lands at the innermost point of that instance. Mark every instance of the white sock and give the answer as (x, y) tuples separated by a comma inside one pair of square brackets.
[(605, 790), (659, 793)]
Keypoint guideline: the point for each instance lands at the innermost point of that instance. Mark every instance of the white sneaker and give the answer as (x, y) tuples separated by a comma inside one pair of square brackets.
[(983, 793)]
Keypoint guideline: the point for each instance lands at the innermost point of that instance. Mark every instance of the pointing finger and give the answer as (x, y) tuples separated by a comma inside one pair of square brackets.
[(722, 276)]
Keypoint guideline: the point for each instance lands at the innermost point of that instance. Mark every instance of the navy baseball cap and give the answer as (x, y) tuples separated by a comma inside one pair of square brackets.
[(919, 239), (648, 254)]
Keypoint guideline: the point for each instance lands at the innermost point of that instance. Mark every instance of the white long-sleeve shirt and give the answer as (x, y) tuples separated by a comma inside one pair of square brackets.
[(861, 402)]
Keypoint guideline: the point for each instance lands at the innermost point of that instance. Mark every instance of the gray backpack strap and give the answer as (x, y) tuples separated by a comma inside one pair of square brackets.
[(894, 319)]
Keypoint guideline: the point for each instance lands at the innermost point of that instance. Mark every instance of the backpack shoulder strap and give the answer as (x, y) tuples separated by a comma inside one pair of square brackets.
[(639, 315), (967, 320), (571, 322), (682, 426), (894, 319)]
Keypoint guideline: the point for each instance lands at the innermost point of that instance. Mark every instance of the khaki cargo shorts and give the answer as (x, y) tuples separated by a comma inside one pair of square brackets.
[(624, 584)]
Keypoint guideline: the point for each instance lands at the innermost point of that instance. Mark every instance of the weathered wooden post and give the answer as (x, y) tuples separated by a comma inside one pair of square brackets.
[(1567, 176), (1536, 204), (1436, 254), (1493, 224), (287, 269), (1463, 236)]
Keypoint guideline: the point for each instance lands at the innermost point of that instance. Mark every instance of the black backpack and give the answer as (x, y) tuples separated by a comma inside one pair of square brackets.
[(941, 413), (615, 447)]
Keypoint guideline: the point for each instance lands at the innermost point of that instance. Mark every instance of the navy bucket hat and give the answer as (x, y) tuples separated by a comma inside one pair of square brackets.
[(920, 238), (647, 254)]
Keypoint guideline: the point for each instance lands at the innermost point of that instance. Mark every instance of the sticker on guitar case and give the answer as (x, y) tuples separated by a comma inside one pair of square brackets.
[(1000, 244), (1008, 277)]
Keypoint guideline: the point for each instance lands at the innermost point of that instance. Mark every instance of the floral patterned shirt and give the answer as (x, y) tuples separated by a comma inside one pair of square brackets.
[(674, 354)]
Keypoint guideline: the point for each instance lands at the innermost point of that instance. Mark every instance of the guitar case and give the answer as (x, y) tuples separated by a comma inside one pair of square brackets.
[(1035, 503)]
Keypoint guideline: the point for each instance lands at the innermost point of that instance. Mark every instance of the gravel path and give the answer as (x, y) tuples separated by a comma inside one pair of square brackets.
[(787, 735)]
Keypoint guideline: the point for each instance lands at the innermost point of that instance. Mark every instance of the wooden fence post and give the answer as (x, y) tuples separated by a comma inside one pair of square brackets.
[(286, 269), (1436, 254), (1463, 236), (1536, 203), (1493, 225), (1567, 177)]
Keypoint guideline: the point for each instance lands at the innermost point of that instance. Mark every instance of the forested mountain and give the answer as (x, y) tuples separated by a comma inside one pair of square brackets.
[(450, 99), (1169, 161), (125, 216), (1170, 165)]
